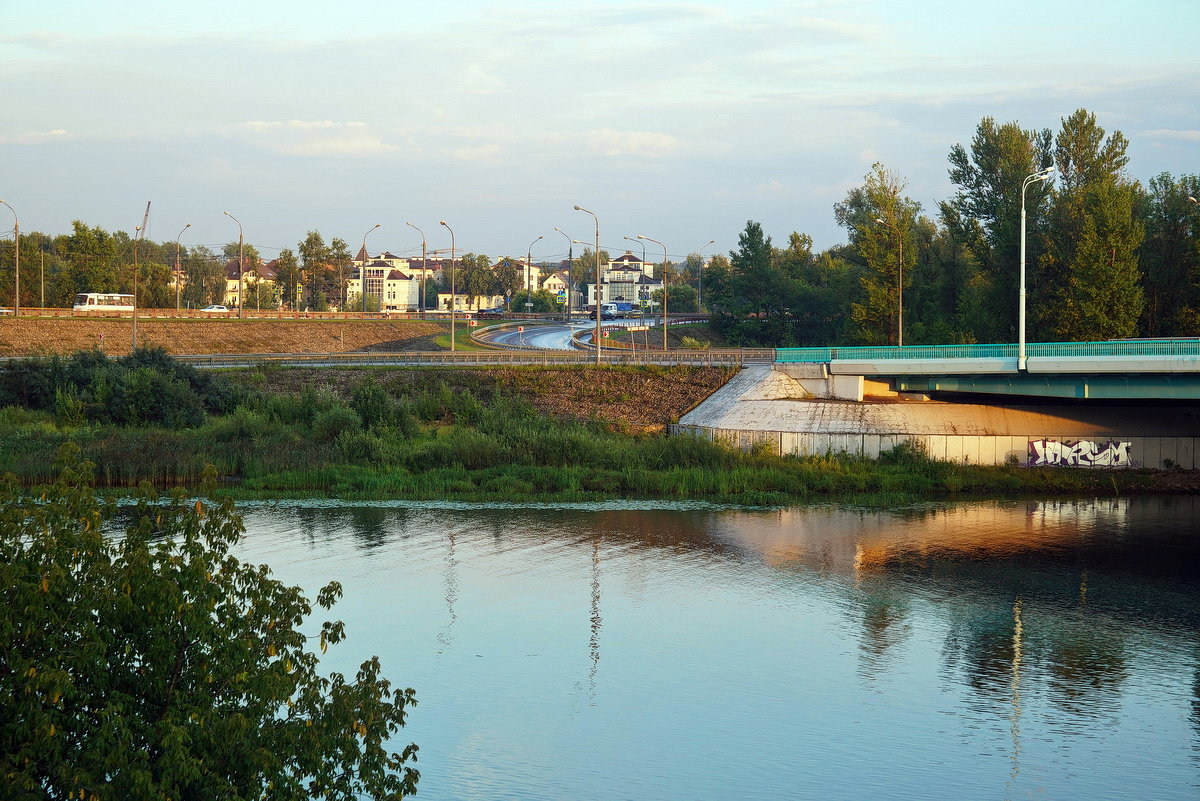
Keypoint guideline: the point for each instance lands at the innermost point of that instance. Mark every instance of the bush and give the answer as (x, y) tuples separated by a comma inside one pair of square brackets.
[(335, 420)]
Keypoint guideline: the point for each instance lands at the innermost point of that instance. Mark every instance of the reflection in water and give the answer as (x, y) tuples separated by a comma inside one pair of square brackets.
[(1024, 643), (1015, 756), (445, 637)]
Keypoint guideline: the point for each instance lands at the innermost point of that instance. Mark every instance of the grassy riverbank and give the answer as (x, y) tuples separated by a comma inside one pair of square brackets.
[(475, 435)]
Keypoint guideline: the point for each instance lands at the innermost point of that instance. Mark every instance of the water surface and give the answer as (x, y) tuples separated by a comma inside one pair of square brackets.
[(993, 650)]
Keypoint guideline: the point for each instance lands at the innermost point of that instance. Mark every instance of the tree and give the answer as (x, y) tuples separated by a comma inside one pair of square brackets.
[(510, 277), (1088, 285), (475, 278), (988, 203), (287, 275), (156, 665), (1170, 257), (880, 224), (205, 278)]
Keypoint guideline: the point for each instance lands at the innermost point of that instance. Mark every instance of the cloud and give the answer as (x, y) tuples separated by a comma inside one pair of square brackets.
[(36, 137), (611, 142), (315, 138), (1167, 133)]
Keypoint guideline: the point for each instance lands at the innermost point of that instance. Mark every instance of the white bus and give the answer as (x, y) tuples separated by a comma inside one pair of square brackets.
[(103, 301)]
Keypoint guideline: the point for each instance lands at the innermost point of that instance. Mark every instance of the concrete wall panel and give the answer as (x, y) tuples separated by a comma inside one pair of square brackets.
[(936, 446), (871, 446), (1151, 453), (1186, 453)]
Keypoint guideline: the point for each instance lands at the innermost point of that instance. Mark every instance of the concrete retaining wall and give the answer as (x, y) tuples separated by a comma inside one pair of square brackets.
[(1155, 452), (764, 408)]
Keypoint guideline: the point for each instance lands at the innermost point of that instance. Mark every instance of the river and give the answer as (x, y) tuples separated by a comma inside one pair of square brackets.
[(998, 650)]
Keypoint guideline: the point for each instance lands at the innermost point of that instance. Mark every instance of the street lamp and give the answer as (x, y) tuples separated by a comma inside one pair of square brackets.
[(700, 276), (1040, 175), (189, 225), (16, 261), (529, 275), (643, 244), (241, 265), (900, 283), (453, 288), (597, 219), (363, 275), (570, 270), (664, 282), (137, 234), (421, 300)]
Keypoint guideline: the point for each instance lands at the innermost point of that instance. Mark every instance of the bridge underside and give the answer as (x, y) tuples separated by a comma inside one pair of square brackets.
[(1143, 386)]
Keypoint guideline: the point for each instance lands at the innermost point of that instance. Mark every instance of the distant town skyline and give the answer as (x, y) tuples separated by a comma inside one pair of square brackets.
[(676, 120)]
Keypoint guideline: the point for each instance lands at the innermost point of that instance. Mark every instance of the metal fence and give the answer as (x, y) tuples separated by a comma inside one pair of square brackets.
[(544, 358), (1125, 347)]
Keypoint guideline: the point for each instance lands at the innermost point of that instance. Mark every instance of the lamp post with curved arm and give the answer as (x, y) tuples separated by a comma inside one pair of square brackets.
[(700, 276), (453, 289), (241, 264), (363, 283), (1040, 175), (570, 270), (421, 300), (529, 275), (598, 304), (177, 271), (664, 282), (16, 262), (900, 283)]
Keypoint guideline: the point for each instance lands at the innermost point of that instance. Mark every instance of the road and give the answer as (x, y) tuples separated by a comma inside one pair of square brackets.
[(556, 336)]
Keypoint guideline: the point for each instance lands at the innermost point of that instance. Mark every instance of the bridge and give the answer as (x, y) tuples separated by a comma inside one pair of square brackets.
[(1160, 369)]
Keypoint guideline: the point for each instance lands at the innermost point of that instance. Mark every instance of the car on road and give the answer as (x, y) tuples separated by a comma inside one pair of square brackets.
[(215, 309), (491, 314)]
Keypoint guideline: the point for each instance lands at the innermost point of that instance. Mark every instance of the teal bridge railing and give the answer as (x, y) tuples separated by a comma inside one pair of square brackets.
[(1131, 347)]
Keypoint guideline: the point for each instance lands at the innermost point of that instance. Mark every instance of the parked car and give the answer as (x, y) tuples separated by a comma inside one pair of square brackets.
[(215, 309)]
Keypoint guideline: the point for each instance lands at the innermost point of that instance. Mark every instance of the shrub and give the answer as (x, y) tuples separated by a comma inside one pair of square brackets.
[(331, 422)]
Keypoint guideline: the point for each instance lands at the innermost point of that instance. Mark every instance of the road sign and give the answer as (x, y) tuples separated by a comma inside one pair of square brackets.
[(472, 323), (636, 327), (520, 329)]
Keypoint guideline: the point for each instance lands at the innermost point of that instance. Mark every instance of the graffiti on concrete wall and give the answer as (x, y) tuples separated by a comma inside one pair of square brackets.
[(1084, 453)]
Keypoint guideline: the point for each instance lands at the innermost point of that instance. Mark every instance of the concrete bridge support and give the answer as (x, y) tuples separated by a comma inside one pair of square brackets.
[(799, 411)]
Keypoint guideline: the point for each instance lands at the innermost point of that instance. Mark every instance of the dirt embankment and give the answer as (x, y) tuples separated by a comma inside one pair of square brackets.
[(627, 398), (30, 337)]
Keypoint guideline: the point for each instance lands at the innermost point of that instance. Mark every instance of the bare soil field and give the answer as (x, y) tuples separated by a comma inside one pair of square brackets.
[(32, 337)]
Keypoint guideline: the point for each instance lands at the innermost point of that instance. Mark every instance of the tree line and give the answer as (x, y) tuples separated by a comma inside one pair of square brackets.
[(1106, 256)]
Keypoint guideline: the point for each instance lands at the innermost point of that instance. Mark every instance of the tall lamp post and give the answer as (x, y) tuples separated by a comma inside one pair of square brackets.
[(241, 265), (570, 269), (664, 280), (16, 262), (177, 280), (700, 276), (1040, 175), (597, 219), (421, 300), (900, 283), (363, 283), (529, 275), (453, 287)]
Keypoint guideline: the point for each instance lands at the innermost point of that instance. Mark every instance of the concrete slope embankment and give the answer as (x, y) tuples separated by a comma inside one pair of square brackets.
[(762, 406)]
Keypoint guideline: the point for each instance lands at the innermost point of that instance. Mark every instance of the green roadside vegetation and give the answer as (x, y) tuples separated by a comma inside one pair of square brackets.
[(147, 417)]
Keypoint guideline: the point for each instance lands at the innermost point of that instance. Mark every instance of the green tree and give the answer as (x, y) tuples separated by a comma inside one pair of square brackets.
[(1170, 257), (287, 276), (1088, 285), (205, 278), (880, 223), (510, 277), (314, 263), (156, 665), (988, 206), (475, 278)]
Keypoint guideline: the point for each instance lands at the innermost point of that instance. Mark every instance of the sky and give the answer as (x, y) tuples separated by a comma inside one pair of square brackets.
[(676, 120)]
